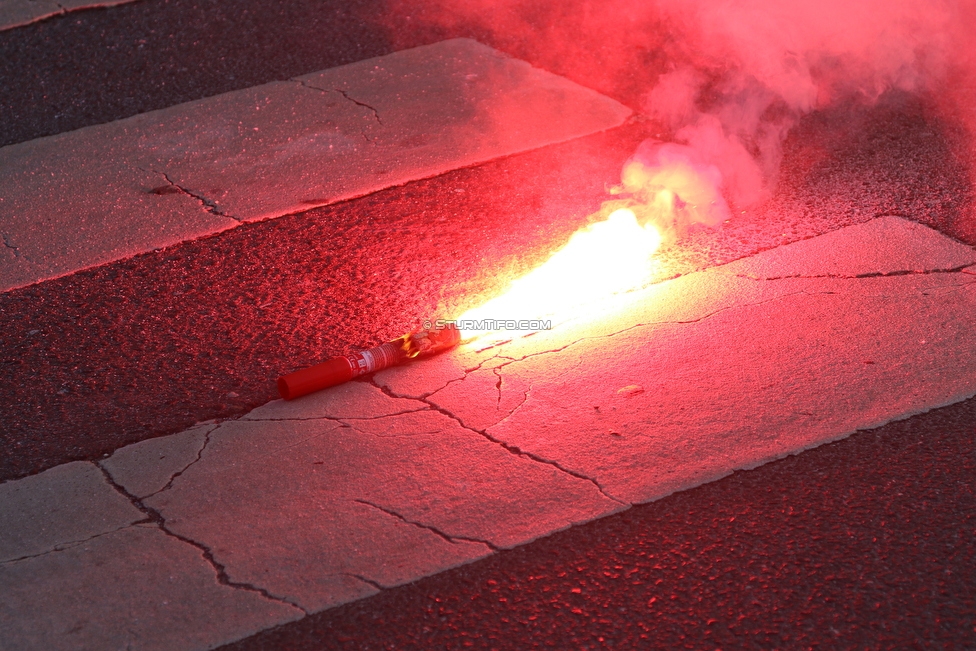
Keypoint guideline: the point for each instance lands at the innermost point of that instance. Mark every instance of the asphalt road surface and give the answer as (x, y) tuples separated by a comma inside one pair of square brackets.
[(865, 543)]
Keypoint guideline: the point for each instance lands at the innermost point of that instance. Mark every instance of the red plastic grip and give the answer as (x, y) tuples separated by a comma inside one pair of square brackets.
[(339, 369), (327, 374)]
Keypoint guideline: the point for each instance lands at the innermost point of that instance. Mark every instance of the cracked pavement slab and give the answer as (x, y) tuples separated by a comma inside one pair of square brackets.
[(798, 365), (136, 588), (67, 206), (17, 13), (299, 506), (150, 466), (330, 498), (651, 398), (57, 508), (111, 191)]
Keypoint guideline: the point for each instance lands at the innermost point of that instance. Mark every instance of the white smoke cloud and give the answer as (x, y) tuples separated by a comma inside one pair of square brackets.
[(744, 71)]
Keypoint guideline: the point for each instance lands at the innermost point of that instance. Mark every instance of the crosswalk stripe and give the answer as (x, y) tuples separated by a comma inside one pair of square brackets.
[(108, 192)]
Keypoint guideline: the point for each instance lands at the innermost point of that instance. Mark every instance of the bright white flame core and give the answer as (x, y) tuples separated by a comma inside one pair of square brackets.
[(605, 258)]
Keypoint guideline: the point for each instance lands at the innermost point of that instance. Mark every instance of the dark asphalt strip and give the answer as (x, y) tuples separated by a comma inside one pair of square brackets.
[(866, 543)]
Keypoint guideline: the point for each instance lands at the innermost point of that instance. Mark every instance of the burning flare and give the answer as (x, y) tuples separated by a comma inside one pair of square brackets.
[(667, 187), (603, 259), (666, 190)]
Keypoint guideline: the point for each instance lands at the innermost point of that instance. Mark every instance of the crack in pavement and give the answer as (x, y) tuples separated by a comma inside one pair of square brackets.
[(423, 396), (517, 451), (60, 547), (208, 204), (434, 530), (365, 580), (498, 387), (6, 243), (506, 446), (399, 413), (874, 274), (345, 94), (156, 518), (206, 442), (15, 249), (926, 291), (376, 114)]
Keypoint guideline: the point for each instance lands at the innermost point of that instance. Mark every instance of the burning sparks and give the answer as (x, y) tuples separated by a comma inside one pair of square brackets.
[(602, 260)]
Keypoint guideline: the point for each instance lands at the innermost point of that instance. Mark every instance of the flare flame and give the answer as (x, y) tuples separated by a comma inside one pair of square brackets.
[(599, 261)]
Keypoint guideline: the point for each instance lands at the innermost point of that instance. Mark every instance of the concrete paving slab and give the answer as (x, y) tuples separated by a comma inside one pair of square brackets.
[(58, 508), (301, 507), (809, 363), (652, 400), (108, 192), (136, 588), (147, 467), (484, 104), (885, 245), (17, 13)]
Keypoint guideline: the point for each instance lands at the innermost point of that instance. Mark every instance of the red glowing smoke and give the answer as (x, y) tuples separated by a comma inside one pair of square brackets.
[(745, 71), (726, 80)]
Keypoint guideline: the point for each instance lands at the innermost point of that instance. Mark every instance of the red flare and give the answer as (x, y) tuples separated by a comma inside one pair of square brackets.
[(419, 343)]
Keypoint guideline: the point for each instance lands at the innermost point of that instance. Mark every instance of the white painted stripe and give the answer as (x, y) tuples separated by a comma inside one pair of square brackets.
[(17, 13), (80, 199)]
